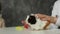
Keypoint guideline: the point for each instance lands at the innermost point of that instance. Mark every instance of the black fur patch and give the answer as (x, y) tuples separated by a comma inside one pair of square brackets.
[(32, 20)]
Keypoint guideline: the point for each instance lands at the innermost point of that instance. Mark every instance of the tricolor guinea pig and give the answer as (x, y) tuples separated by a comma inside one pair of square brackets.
[(36, 23)]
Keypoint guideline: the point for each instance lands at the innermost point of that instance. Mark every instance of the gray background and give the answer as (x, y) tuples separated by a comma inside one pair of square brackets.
[(14, 11)]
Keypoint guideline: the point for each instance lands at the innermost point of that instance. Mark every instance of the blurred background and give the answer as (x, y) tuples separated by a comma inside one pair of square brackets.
[(13, 11)]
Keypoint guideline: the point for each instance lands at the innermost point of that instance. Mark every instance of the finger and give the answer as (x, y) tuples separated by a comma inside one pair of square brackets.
[(47, 24), (40, 15), (44, 19)]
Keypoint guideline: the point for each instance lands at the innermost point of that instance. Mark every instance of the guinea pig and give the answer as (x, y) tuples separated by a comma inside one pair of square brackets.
[(36, 23)]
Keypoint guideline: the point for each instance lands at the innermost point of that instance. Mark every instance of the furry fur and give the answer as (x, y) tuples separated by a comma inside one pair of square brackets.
[(36, 24)]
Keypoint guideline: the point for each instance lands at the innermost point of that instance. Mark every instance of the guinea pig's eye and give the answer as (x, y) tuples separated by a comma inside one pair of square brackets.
[(30, 18)]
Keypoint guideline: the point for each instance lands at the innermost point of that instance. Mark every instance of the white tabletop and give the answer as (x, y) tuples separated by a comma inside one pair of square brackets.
[(12, 30)]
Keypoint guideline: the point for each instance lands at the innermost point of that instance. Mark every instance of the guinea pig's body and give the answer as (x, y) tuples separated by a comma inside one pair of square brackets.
[(36, 24)]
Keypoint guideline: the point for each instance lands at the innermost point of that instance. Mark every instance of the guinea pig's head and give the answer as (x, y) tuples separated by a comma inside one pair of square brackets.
[(31, 19)]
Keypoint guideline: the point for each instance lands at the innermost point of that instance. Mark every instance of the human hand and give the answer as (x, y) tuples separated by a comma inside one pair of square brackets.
[(43, 17), (49, 19)]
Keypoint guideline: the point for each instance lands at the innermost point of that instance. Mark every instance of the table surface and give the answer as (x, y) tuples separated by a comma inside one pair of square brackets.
[(12, 30)]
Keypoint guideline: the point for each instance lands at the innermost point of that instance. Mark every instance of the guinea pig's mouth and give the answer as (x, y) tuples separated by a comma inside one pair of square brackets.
[(32, 19)]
